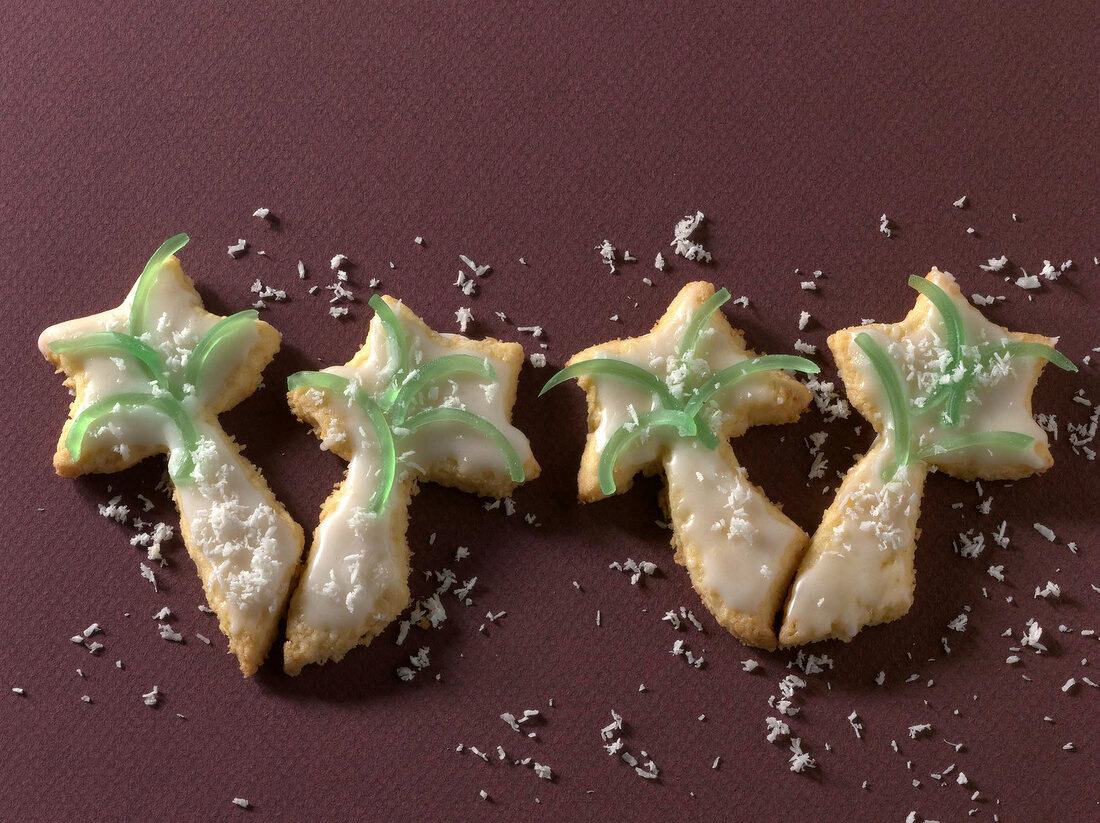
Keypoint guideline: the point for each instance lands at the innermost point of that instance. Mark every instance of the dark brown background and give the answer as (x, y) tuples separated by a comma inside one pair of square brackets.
[(524, 130)]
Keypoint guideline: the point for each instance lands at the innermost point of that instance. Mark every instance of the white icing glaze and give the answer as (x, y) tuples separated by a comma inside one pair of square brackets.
[(747, 548), (863, 566), (355, 558), (250, 547)]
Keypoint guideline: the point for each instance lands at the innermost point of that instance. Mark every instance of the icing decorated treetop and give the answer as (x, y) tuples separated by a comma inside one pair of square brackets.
[(397, 413), (681, 394), (957, 377), (179, 382)]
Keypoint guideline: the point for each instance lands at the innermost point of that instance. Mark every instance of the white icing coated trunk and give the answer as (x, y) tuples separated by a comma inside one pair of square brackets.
[(358, 566), (230, 519), (738, 548), (859, 569)]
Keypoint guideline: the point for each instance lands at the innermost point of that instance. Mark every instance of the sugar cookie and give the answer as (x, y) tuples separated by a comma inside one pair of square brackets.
[(411, 405), (945, 388), (151, 376), (669, 401)]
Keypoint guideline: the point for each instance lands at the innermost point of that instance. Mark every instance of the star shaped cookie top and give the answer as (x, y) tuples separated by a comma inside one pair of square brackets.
[(411, 405), (960, 394), (945, 387), (151, 376), (691, 377), (668, 401)]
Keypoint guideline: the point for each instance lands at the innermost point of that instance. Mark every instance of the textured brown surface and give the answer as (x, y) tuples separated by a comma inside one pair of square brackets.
[(535, 131)]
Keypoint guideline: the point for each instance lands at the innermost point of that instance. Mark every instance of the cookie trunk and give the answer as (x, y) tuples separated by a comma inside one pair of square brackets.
[(243, 542), (356, 578), (738, 547), (859, 568)]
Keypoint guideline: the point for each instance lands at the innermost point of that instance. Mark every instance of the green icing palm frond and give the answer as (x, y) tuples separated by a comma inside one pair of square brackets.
[(341, 386), (434, 371), (180, 465), (627, 434), (699, 321), (478, 424), (399, 349), (610, 367), (895, 396), (218, 337), (1006, 440), (120, 345), (732, 375), (139, 307)]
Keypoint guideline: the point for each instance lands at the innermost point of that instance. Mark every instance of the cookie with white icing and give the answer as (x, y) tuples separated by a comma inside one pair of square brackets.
[(411, 406), (151, 376), (668, 402), (945, 387)]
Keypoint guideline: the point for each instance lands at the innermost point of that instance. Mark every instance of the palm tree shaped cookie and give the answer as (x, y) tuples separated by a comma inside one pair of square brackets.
[(412, 405), (151, 376), (669, 401), (944, 388)]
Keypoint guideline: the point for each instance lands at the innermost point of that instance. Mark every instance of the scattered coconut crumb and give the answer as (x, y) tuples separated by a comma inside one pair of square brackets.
[(800, 760), (607, 255), (147, 573), (682, 243), (635, 570), (856, 723), (1045, 531), (479, 271), (1050, 590)]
